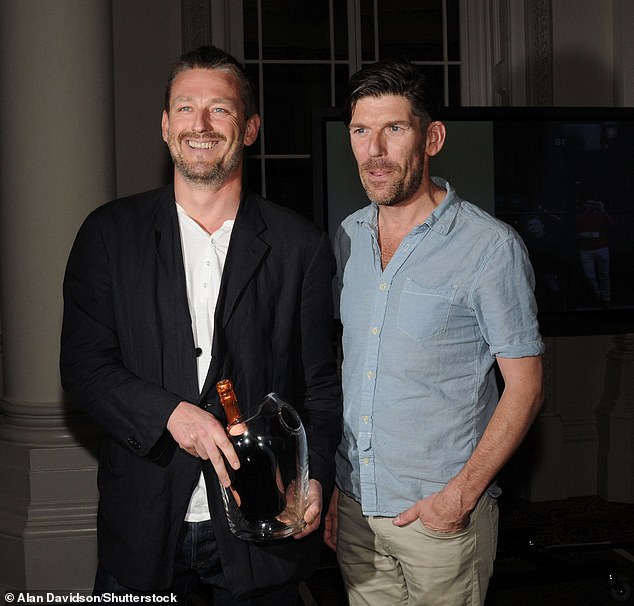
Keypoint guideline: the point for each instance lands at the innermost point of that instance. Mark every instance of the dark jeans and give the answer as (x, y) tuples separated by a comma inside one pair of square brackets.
[(198, 562)]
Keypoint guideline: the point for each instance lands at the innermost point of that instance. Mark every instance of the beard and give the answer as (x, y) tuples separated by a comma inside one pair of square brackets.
[(403, 186), (204, 174)]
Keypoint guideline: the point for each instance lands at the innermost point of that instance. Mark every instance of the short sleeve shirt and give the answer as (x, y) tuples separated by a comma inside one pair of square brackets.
[(420, 338)]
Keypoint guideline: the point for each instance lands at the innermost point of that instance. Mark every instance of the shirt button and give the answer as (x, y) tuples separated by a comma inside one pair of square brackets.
[(365, 418), (134, 443), (366, 461), (382, 286), (370, 374), (375, 330)]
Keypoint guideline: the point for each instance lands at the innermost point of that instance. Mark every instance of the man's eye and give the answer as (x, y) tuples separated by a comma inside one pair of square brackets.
[(359, 131), (219, 110), (184, 108)]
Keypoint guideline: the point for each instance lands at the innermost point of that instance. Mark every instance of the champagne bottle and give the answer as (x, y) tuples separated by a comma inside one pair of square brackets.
[(256, 484)]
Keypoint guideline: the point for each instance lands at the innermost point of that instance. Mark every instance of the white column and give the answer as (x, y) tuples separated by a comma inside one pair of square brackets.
[(56, 163)]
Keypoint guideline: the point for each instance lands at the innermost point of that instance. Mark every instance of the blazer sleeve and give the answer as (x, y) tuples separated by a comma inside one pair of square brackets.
[(133, 410), (322, 396)]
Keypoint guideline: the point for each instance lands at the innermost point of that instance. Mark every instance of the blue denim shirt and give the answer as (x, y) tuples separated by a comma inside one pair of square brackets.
[(420, 339)]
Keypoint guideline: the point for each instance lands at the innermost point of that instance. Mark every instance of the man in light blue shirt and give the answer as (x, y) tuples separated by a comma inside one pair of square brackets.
[(434, 291)]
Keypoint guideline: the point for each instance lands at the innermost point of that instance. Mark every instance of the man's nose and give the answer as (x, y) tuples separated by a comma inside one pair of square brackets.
[(202, 121), (376, 144)]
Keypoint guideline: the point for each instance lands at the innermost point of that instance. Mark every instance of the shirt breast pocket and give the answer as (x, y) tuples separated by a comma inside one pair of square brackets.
[(424, 312)]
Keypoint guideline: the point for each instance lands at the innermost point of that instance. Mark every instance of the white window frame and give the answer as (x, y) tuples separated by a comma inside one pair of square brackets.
[(481, 50), (497, 38)]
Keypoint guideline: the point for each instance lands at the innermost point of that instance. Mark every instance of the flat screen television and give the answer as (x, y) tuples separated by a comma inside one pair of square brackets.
[(562, 177)]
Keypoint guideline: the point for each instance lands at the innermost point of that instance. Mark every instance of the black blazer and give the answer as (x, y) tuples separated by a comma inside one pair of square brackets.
[(128, 359)]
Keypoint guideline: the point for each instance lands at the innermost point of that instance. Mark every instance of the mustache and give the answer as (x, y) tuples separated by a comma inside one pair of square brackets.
[(378, 164), (211, 134)]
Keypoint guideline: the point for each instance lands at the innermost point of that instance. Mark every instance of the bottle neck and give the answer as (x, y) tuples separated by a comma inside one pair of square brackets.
[(235, 420)]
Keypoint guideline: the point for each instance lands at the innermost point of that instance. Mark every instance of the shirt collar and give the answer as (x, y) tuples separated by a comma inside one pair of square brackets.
[(440, 220)]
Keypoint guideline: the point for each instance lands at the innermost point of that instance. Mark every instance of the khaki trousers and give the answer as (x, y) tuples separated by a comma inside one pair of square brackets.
[(384, 565)]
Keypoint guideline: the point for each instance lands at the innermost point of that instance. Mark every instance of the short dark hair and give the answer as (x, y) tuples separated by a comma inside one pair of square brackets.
[(211, 57), (391, 77)]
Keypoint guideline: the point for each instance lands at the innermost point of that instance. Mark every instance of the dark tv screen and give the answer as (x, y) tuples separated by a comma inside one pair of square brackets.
[(562, 177)]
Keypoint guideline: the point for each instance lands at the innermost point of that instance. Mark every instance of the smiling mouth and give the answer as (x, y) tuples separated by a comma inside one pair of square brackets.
[(201, 144)]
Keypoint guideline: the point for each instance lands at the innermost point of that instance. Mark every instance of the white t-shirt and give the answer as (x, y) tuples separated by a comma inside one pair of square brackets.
[(204, 257)]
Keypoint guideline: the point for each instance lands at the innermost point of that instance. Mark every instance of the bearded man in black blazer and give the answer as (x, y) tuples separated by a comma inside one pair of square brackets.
[(167, 292)]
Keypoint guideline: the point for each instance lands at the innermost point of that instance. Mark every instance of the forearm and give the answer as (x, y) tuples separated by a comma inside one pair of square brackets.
[(449, 510), (519, 404)]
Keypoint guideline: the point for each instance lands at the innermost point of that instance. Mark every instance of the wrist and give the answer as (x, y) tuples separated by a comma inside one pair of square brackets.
[(463, 494)]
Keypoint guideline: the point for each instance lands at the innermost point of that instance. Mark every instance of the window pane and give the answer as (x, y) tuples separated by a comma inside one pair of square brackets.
[(340, 26), (290, 92), (289, 182), (367, 30), (253, 174), (342, 75), (295, 30), (250, 21), (437, 75), (411, 29), (453, 30)]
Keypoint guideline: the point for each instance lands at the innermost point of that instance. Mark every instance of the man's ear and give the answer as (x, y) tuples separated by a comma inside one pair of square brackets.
[(252, 129), (436, 134), (165, 124)]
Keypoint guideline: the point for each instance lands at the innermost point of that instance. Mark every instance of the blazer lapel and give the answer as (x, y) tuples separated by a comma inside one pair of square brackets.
[(246, 252), (171, 293), (168, 246)]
